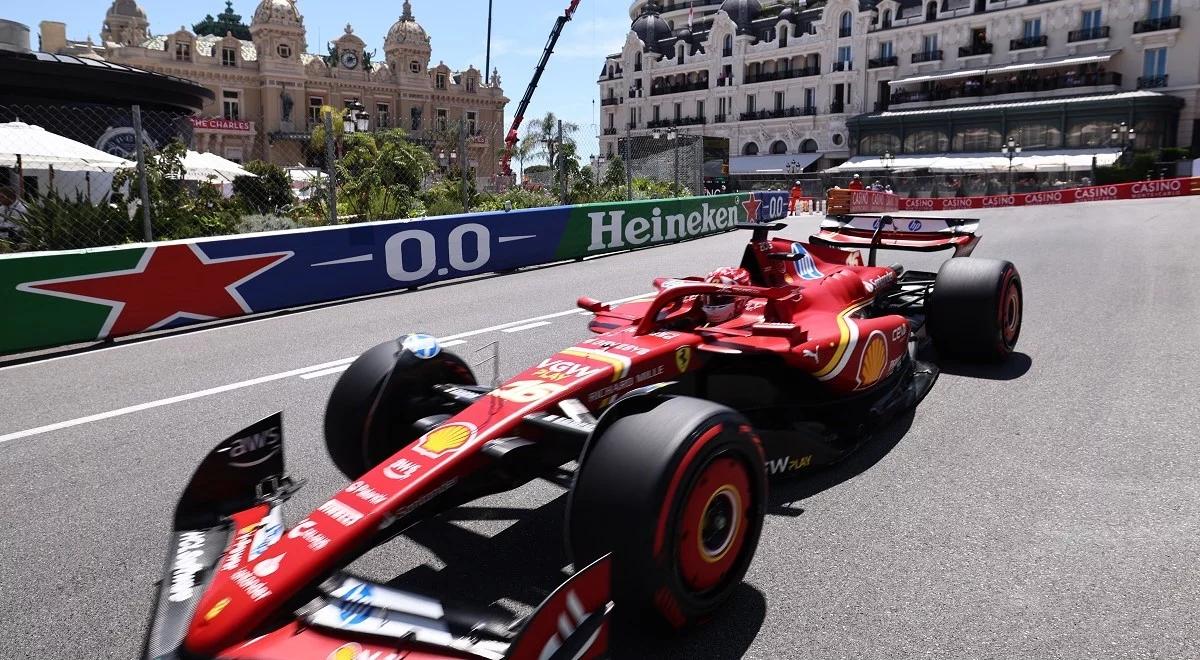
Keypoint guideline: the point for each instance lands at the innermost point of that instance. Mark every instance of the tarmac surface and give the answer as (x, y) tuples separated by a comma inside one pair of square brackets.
[(1046, 508)]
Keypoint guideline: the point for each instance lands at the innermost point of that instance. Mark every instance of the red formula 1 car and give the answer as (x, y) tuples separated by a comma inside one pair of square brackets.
[(677, 419)]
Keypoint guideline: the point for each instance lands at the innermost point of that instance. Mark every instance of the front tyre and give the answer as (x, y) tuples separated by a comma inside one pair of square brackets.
[(678, 495), (976, 309), (372, 409)]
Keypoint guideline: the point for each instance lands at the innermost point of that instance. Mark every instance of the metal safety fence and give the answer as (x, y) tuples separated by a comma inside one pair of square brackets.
[(80, 176)]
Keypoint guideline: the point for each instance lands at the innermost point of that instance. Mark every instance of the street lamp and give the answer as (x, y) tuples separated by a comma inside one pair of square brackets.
[(888, 159), (1126, 134), (1010, 150), (356, 119)]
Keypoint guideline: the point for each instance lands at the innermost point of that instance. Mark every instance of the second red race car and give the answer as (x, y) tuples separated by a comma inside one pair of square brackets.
[(679, 411)]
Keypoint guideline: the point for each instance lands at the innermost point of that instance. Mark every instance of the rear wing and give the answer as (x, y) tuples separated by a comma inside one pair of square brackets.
[(896, 232)]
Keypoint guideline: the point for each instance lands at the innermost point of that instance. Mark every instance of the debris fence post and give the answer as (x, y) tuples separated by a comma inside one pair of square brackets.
[(143, 184), (331, 168)]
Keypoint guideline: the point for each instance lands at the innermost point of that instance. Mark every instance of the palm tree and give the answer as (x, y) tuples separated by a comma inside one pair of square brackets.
[(545, 132), (528, 147)]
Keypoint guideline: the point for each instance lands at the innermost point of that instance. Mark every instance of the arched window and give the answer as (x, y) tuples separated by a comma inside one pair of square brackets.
[(728, 51), (783, 37), (779, 147), (887, 18), (808, 146), (931, 11), (751, 149), (927, 141), (637, 62), (981, 138), (681, 52), (846, 24), (877, 144)]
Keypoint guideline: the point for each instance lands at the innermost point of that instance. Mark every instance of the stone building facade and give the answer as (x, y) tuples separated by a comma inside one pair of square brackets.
[(269, 89), (815, 83)]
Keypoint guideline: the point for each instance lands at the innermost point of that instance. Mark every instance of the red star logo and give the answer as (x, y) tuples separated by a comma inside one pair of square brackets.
[(169, 283), (752, 205)]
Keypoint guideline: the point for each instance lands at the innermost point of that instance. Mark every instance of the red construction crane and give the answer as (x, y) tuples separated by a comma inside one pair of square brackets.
[(510, 142)]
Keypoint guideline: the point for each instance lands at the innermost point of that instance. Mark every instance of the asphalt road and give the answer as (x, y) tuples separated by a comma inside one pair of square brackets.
[(1044, 509)]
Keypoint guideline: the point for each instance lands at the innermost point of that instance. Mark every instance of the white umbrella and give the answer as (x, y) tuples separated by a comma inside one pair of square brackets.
[(35, 148), (209, 167)]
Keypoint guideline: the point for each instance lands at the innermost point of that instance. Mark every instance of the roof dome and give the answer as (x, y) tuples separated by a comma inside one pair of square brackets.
[(788, 14), (126, 8), (277, 11), (650, 27), (407, 31), (743, 12)]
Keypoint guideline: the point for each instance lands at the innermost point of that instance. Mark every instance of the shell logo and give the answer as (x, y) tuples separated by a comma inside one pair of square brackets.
[(349, 651), (874, 360), (446, 439), (217, 609)]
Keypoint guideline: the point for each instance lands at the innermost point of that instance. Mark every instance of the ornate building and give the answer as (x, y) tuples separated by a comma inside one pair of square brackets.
[(269, 89), (810, 83)]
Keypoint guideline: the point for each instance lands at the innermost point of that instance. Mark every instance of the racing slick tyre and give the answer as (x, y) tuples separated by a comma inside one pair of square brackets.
[(975, 310), (371, 412), (677, 494)]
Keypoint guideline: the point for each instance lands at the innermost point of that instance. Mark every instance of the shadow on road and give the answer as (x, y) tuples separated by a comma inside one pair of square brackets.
[(526, 561), (1016, 366), (785, 495)]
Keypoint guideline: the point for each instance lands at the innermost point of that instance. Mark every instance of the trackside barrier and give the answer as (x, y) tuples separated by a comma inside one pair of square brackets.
[(1137, 190), (849, 202), (57, 298)]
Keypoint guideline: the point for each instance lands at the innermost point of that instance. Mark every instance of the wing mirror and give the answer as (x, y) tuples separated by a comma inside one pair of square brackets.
[(591, 304)]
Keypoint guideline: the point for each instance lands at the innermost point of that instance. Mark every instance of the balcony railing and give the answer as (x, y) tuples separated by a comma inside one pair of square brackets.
[(880, 62), (976, 49), (720, 119), (1017, 84), (1150, 82), (672, 123), (1156, 24), (613, 100), (679, 88), (843, 32), (837, 107), (845, 65), (782, 75), (1088, 34), (610, 131), (778, 114), (1029, 42), (927, 56)]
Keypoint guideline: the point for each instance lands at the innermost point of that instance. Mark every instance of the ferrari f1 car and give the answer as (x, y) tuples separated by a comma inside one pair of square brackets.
[(677, 419)]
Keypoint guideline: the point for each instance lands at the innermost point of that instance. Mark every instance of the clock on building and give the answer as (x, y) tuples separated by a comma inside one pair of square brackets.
[(349, 59)]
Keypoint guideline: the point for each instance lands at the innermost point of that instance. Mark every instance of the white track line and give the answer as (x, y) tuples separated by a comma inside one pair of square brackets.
[(329, 367), (522, 328)]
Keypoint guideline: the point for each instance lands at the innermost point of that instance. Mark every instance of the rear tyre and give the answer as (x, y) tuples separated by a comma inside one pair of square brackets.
[(371, 412), (976, 309), (677, 494)]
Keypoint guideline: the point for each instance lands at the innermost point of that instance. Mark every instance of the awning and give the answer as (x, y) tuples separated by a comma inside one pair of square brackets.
[(40, 149), (211, 167), (1072, 60), (772, 164), (1075, 160), (1119, 97)]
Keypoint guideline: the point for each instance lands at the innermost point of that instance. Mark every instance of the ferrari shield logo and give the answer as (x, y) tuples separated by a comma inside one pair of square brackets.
[(446, 439), (683, 358)]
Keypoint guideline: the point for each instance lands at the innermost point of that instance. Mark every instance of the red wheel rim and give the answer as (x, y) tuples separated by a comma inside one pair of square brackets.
[(1010, 314), (713, 525)]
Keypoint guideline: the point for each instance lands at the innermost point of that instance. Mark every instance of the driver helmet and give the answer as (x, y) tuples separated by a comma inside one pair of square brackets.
[(719, 308)]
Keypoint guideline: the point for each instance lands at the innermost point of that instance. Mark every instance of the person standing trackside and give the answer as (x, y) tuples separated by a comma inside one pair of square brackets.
[(856, 183), (797, 193), (11, 208)]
